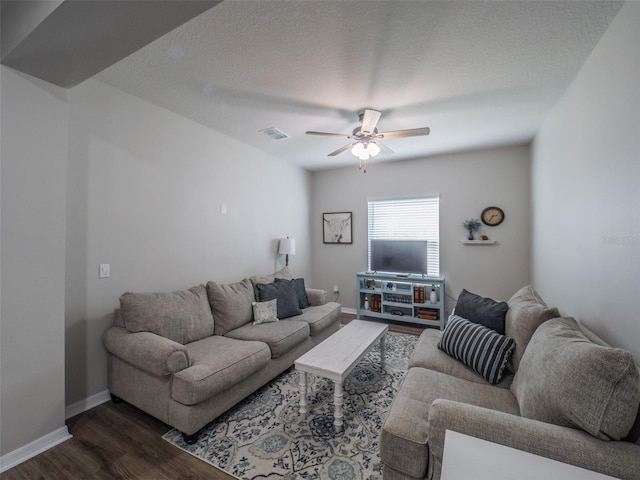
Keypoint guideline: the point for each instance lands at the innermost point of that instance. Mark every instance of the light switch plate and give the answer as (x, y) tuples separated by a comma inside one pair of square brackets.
[(105, 270)]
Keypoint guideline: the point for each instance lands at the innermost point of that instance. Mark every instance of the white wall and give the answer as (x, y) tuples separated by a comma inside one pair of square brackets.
[(586, 195), (467, 183), (34, 156), (145, 188)]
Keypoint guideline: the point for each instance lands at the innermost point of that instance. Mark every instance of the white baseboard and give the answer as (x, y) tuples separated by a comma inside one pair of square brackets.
[(86, 404), (34, 448), (351, 311)]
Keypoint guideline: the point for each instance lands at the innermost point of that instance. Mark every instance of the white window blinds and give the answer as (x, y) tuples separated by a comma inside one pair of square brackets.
[(407, 219)]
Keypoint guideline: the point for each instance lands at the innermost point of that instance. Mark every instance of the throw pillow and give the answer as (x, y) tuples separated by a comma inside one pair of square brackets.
[(284, 273), (183, 317), (284, 293), (482, 310), (299, 287), (230, 304), (567, 380), (526, 312), (478, 347), (265, 312)]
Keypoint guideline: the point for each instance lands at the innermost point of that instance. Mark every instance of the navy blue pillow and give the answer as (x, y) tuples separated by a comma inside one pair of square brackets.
[(285, 294), (482, 310), (300, 289)]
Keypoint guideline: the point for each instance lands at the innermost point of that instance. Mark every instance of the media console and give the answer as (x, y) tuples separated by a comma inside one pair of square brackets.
[(403, 298)]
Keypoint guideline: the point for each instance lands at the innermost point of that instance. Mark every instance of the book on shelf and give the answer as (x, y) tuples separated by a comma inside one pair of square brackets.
[(418, 294), (425, 314), (375, 303)]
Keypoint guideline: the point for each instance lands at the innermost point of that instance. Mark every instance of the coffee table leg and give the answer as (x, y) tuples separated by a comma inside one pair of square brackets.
[(337, 401), (303, 392), (383, 353)]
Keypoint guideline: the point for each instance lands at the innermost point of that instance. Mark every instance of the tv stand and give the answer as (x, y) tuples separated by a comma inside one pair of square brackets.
[(383, 295)]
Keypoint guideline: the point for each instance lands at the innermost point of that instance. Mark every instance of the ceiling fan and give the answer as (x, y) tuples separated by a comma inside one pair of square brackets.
[(366, 138)]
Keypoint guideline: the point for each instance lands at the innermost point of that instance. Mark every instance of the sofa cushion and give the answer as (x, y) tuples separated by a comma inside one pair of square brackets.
[(281, 336), (403, 442), (567, 380), (316, 296), (478, 347), (183, 316), (426, 354), (482, 310), (300, 289), (319, 317), (230, 304), (284, 293), (285, 273), (265, 312), (526, 312), (217, 363)]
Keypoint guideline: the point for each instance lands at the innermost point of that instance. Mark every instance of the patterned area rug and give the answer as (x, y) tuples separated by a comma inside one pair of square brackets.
[(265, 437)]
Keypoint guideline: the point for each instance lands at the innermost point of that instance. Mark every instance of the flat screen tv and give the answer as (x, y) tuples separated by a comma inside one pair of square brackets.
[(399, 256)]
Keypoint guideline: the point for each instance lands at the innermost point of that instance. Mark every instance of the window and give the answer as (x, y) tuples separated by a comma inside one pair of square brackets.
[(407, 219)]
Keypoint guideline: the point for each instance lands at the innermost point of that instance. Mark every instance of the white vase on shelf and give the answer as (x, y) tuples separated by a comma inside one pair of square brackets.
[(433, 296)]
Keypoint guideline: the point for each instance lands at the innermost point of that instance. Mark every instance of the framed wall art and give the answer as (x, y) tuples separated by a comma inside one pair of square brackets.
[(337, 228)]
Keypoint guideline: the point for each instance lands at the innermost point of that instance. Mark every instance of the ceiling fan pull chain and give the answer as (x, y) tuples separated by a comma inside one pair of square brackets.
[(363, 165)]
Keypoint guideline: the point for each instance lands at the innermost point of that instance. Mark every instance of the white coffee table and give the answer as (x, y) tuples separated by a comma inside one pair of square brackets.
[(335, 358)]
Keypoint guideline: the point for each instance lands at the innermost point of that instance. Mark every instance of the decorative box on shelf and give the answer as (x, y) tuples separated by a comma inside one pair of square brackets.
[(404, 298)]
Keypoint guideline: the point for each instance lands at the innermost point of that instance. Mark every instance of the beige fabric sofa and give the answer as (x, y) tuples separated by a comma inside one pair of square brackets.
[(572, 398), (187, 357)]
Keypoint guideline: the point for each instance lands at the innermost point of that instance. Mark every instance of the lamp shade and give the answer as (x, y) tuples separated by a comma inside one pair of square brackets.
[(287, 246)]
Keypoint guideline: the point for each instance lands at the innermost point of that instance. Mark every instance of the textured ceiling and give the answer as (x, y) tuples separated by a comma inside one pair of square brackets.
[(67, 41), (479, 73)]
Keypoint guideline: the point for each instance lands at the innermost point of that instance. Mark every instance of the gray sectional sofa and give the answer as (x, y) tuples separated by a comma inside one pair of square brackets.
[(186, 357), (572, 398)]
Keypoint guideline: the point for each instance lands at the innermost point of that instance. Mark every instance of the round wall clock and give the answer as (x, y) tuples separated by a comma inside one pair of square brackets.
[(492, 216)]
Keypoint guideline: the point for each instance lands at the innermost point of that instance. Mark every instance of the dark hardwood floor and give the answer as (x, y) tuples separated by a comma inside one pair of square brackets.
[(118, 441)]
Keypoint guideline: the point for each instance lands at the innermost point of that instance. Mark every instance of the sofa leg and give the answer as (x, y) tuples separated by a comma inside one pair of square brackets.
[(115, 399), (191, 439)]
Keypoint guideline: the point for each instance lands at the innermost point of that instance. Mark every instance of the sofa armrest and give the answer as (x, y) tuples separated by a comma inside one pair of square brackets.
[(568, 445), (316, 296), (148, 351)]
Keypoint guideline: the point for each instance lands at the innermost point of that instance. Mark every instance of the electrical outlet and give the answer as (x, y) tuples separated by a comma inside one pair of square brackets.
[(336, 289)]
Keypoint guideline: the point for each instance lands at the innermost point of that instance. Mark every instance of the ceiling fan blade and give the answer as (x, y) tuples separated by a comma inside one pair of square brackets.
[(329, 134), (383, 148), (342, 149), (412, 132), (369, 121)]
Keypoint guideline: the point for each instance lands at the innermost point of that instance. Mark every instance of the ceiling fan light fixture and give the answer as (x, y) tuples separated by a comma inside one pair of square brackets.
[(358, 149), (374, 149), (364, 151)]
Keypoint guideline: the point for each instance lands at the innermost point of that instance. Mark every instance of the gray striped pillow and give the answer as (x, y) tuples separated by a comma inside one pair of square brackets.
[(478, 347)]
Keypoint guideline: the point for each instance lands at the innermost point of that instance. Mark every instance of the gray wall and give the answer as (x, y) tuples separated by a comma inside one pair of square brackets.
[(145, 189), (34, 156), (92, 176), (467, 183), (586, 195)]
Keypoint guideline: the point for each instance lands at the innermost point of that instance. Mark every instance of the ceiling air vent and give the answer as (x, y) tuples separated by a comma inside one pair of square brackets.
[(274, 133)]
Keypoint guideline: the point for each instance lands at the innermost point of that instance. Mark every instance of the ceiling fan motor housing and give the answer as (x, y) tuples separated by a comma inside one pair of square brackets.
[(358, 134)]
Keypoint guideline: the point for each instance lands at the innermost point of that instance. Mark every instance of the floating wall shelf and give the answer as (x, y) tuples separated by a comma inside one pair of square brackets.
[(478, 242)]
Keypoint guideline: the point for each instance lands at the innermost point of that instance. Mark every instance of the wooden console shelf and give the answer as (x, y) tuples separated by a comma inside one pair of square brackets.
[(402, 298)]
